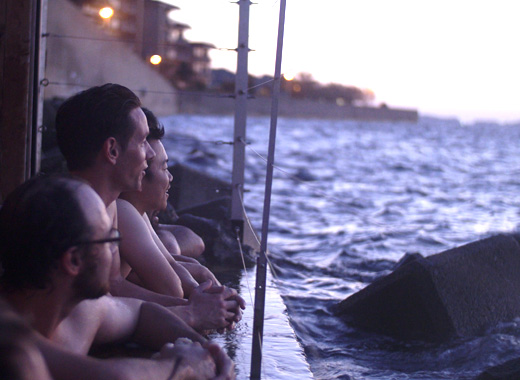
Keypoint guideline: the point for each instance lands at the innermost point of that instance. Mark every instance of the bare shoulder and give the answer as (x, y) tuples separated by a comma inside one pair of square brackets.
[(123, 206), (78, 330), (90, 310), (128, 217)]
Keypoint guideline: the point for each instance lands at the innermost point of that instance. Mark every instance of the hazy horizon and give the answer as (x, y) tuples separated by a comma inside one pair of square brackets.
[(445, 58)]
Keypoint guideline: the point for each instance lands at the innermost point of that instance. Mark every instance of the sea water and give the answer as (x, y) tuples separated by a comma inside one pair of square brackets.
[(349, 200)]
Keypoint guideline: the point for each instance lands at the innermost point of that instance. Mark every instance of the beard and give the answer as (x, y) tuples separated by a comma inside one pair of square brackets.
[(88, 285)]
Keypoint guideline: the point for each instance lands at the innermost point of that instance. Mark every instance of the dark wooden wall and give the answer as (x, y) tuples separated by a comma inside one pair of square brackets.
[(20, 71)]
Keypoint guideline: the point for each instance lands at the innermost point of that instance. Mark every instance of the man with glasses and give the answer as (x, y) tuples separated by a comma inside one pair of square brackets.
[(102, 134), (56, 248)]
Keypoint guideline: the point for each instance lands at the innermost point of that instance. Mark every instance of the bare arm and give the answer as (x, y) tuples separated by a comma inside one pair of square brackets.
[(199, 272), (190, 244), (120, 287), (143, 255), (186, 267), (157, 326), (65, 365), (127, 319), (188, 281)]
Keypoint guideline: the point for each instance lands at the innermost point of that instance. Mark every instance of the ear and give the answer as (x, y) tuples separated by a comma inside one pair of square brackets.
[(72, 261), (111, 149)]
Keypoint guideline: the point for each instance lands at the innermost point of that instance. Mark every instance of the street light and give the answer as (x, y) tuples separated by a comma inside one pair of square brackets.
[(155, 59), (106, 13)]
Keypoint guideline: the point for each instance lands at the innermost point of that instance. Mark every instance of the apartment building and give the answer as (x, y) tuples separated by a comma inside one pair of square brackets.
[(152, 28)]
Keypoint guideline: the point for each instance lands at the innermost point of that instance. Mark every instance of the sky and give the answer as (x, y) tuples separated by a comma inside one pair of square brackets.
[(445, 58)]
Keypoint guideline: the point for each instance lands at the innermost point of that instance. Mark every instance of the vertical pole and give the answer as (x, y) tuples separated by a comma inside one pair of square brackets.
[(237, 179), (261, 269), (40, 47)]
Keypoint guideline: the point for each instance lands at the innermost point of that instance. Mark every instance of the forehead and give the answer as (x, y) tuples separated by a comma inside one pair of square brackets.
[(160, 152), (138, 121)]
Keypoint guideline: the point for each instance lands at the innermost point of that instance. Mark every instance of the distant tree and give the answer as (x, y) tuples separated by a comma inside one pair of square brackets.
[(303, 86)]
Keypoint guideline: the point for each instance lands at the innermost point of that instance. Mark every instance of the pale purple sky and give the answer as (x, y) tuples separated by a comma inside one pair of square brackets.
[(453, 58)]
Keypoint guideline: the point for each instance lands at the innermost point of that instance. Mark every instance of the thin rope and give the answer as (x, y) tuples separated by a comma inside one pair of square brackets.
[(248, 220), (46, 82), (237, 231), (120, 40), (261, 84), (214, 142)]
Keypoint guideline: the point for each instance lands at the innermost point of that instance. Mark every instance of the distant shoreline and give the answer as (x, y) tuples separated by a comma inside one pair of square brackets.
[(200, 104)]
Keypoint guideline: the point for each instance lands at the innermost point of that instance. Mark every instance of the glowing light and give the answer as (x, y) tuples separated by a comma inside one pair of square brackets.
[(288, 76), (106, 12), (155, 59)]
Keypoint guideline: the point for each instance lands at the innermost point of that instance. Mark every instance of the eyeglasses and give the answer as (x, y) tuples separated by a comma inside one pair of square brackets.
[(114, 238)]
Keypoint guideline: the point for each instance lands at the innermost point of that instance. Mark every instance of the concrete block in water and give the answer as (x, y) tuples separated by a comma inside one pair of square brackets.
[(509, 370), (459, 292)]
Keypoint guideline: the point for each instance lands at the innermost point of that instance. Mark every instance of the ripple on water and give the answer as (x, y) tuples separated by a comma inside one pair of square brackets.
[(382, 190)]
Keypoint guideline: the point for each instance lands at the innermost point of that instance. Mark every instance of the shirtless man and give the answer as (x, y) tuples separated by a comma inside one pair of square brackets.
[(134, 208), (175, 238), (20, 357), (153, 198), (102, 134), (56, 247)]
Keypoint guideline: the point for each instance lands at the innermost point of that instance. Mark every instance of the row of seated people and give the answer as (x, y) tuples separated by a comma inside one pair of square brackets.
[(83, 267)]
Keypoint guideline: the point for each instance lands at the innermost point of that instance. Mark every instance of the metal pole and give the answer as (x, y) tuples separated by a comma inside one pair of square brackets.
[(37, 92), (261, 270), (237, 179)]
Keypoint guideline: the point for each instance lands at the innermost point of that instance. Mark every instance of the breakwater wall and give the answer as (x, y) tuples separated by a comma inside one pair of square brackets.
[(201, 104)]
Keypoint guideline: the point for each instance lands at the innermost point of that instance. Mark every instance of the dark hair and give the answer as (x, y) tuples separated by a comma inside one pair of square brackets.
[(156, 133), (155, 126), (87, 119), (39, 221)]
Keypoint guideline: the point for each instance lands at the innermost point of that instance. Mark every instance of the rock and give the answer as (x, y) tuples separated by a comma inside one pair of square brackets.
[(210, 222), (459, 292), (509, 370), (192, 187)]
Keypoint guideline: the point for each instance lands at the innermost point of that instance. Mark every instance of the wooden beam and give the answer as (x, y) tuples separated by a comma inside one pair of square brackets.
[(19, 71)]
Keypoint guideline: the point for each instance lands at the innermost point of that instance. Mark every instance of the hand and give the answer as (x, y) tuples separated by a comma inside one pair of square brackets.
[(194, 362), (210, 309), (230, 294), (225, 366), (199, 272)]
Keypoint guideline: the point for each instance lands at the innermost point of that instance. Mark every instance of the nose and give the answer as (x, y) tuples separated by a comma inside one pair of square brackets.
[(170, 177), (150, 153)]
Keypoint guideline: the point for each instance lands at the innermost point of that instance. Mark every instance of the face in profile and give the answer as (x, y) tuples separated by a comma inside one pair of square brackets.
[(156, 183), (133, 160)]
